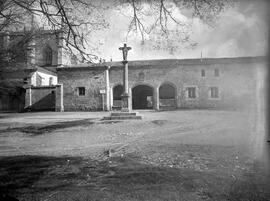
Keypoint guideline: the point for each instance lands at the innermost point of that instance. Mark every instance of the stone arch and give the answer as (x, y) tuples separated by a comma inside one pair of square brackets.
[(142, 96), (117, 92), (167, 95), (142, 83)]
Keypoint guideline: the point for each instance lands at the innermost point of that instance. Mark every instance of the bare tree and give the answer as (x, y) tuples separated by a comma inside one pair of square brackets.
[(70, 16), (78, 18), (157, 21)]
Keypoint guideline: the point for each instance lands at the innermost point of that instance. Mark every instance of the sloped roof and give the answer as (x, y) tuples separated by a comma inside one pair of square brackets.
[(167, 62), (48, 70)]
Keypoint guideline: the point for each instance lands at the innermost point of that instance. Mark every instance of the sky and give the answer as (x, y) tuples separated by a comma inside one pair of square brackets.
[(241, 30)]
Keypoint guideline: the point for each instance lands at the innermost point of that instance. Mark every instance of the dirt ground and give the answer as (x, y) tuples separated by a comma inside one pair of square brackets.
[(169, 155)]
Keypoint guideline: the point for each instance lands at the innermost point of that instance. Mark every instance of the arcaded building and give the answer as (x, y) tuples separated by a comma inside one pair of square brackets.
[(226, 83)]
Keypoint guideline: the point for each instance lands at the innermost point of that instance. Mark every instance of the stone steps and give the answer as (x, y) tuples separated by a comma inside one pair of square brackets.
[(122, 117), (123, 114)]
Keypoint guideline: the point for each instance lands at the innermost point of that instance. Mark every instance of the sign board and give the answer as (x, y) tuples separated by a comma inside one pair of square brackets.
[(102, 91)]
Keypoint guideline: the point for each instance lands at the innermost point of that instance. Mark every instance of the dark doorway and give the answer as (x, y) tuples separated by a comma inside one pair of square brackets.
[(142, 97), (12, 98), (167, 94), (117, 96)]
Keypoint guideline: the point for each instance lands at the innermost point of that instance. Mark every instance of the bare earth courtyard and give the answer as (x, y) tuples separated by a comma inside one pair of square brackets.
[(172, 155)]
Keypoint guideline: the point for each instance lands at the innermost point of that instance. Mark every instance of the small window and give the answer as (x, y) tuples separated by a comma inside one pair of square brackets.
[(191, 92), (51, 81), (81, 91), (216, 72), (214, 92), (203, 73)]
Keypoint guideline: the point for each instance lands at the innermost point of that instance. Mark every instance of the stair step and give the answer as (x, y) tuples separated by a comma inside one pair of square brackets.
[(123, 114), (121, 117)]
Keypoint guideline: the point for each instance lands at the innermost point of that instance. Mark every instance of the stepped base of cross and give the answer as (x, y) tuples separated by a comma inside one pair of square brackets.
[(123, 115)]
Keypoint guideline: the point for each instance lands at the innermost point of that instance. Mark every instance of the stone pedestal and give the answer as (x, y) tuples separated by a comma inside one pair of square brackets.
[(123, 116), (125, 103)]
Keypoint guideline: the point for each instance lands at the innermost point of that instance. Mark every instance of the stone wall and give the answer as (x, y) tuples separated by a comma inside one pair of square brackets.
[(93, 80), (40, 98)]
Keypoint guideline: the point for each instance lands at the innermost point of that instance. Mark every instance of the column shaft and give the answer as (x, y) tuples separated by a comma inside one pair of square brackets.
[(107, 89), (156, 98), (126, 78)]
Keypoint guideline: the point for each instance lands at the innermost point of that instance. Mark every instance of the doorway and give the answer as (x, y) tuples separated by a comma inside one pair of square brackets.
[(142, 97)]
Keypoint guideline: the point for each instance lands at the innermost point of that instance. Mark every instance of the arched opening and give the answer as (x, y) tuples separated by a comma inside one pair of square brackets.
[(48, 54), (142, 97), (118, 90), (167, 96)]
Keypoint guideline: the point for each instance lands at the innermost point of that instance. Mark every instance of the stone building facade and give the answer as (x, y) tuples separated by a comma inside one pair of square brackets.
[(228, 83)]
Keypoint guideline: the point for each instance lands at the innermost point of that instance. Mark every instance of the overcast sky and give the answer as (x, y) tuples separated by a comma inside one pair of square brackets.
[(241, 31)]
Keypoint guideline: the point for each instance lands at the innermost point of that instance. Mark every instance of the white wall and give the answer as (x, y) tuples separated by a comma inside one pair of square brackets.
[(45, 79)]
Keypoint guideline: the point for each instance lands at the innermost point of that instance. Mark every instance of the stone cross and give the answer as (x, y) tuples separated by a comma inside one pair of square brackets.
[(125, 96), (125, 50)]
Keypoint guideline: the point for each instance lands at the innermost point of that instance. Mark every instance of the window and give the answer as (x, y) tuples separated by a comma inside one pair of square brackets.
[(216, 72), (214, 93), (203, 73), (191, 92), (48, 55), (81, 91)]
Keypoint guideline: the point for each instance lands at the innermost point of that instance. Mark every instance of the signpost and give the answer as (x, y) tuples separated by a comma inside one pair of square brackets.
[(102, 92)]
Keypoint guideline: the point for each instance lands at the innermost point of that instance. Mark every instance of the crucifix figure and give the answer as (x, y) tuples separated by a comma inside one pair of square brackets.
[(126, 106), (125, 50)]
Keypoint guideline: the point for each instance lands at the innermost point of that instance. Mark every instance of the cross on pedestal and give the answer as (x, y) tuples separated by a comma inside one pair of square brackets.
[(125, 95), (125, 50), (126, 105)]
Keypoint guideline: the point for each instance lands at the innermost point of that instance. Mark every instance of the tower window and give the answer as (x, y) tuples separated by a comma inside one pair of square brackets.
[(48, 55)]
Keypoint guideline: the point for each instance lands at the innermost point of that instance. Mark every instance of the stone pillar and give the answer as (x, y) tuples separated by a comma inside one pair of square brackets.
[(6, 39), (125, 96), (125, 77), (28, 98), (107, 88), (31, 52), (59, 40), (111, 98), (156, 98), (130, 98), (59, 98)]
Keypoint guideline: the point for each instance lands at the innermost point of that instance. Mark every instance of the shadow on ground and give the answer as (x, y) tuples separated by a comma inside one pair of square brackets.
[(121, 178), (41, 128)]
